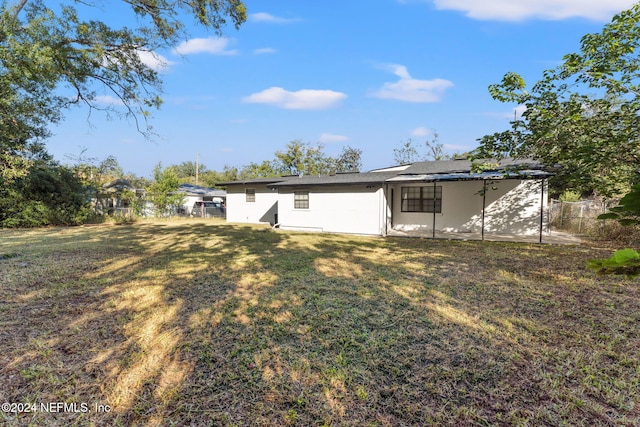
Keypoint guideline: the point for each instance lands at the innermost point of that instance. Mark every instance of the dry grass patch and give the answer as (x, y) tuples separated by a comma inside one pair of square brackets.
[(202, 323)]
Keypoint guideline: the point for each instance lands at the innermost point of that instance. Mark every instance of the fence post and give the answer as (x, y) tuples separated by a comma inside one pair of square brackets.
[(581, 215), (602, 221)]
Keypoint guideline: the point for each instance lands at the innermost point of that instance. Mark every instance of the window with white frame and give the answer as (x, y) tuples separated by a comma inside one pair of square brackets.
[(301, 200), (250, 194), (422, 199)]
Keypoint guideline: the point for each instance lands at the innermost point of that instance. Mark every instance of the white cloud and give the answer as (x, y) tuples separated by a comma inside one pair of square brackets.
[(512, 10), (151, 59), (409, 89), (264, 50), (305, 99), (108, 100), (215, 46), (421, 131), (328, 138), (154, 60), (267, 17)]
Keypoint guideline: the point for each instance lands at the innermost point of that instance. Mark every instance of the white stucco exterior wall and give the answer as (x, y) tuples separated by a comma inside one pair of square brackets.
[(517, 211), (511, 207), (339, 209), (262, 211)]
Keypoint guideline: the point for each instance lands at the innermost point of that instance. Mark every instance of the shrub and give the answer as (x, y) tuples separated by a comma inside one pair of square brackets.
[(48, 195)]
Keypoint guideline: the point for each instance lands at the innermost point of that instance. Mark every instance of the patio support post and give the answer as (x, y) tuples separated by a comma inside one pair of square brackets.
[(434, 209), (541, 208), (387, 208), (484, 203)]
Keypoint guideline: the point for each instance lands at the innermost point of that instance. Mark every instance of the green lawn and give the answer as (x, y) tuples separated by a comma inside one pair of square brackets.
[(204, 323)]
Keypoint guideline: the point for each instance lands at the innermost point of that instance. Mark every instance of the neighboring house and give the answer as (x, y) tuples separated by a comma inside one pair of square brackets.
[(196, 193), (423, 197), (110, 198)]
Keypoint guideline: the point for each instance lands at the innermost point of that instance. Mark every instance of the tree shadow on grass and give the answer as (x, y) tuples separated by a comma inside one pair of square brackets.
[(207, 324), (108, 309)]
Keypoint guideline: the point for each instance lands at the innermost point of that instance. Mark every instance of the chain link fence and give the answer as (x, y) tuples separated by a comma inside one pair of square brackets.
[(579, 217)]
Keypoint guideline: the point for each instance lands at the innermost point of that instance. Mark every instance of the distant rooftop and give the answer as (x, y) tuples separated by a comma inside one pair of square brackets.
[(118, 185), (197, 190)]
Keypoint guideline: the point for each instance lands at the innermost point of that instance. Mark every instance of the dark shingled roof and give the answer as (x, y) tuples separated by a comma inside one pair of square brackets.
[(464, 166), (338, 179), (256, 181), (440, 170)]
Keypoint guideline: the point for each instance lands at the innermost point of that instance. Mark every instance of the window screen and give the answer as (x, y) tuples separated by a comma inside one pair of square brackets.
[(422, 199), (301, 200)]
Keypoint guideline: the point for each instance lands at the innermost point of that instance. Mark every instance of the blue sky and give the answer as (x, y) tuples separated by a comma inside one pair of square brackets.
[(365, 74)]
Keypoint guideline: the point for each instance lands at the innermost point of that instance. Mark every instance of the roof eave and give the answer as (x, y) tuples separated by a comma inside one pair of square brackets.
[(530, 174)]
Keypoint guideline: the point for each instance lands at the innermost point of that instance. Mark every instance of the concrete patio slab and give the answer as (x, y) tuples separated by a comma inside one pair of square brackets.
[(553, 237)]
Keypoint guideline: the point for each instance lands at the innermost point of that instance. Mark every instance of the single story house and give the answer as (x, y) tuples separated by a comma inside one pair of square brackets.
[(196, 193), (109, 199), (508, 197)]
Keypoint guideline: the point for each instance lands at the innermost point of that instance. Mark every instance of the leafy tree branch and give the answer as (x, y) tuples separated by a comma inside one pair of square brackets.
[(583, 115), (52, 59)]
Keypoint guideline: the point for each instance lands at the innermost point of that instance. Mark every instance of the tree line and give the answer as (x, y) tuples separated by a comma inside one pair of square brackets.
[(47, 192)]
